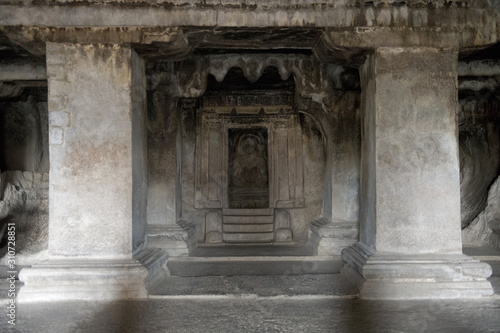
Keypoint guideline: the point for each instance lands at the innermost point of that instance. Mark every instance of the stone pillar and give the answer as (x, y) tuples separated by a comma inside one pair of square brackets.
[(166, 229), (97, 186), (410, 243), (339, 227)]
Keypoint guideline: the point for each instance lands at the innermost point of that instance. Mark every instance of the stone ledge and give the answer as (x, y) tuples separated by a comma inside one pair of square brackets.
[(417, 276), (410, 289), (82, 280), (176, 240), (326, 285), (139, 14), (330, 238), (154, 260), (232, 266)]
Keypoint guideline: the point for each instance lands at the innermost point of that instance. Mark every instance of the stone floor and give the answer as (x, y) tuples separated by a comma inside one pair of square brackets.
[(280, 303), (326, 311), (260, 314)]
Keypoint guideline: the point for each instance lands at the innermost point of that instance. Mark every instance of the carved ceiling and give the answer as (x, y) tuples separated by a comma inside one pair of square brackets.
[(337, 33)]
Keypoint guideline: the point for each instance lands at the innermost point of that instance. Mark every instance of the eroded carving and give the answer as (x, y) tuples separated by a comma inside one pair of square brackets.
[(248, 168)]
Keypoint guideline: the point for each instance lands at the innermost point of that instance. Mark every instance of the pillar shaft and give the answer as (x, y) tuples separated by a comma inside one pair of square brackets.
[(95, 150), (410, 167), (97, 189), (410, 187)]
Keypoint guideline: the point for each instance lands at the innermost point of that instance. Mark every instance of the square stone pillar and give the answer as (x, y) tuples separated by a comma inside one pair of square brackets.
[(410, 239), (97, 190), (166, 228)]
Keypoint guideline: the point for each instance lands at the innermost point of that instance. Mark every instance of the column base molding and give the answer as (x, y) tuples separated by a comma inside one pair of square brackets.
[(57, 280), (328, 238), (419, 276), (177, 240)]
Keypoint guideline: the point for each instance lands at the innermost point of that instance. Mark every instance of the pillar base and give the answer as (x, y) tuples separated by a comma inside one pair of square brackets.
[(177, 240), (328, 238), (57, 280), (419, 276), (283, 235)]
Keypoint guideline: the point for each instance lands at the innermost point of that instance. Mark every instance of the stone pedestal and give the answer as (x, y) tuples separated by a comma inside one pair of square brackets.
[(213, 227), (330, 238), (410, 243), (282, 225), (176, 240), (97, 188)]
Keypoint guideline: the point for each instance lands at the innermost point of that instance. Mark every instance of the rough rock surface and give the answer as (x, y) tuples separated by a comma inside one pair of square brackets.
[(485, 229), (24, 201), (24, 132), (256, 315), (479, 144)]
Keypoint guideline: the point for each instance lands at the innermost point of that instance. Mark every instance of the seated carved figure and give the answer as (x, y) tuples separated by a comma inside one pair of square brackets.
[(249, 168)]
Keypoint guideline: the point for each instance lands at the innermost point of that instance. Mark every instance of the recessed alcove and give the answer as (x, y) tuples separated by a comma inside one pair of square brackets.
[(248, 168), (249, 156)]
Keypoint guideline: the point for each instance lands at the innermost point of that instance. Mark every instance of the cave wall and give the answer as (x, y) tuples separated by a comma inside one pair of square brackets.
[(24, 178), (479, 142), (24, 200), (24, 132)]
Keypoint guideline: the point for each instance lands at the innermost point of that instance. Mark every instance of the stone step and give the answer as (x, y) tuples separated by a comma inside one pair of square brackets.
[(258, 237), (247, 228), (247, 211), (230, 266), (244, 250), (252, 219), (327, 285)]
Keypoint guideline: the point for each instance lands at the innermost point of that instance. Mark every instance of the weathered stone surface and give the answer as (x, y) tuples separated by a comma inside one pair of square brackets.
[(341, 198), (24, 202), (488, 67), (103, 137), (282, 77), (410, 242), (342, 14), (92, 236), (282, 225), (330, 238), (23, 131), (319, 314), (419, 276), (175, 240), (479, 145), (484, 230), (22, 70), (82, 280), (253, 265), (410, 171), (261, 286), (248, 237), (163, 155)]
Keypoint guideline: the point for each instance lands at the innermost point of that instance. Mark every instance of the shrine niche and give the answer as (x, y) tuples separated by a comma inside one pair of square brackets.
[(248, 168), (249, 165)]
